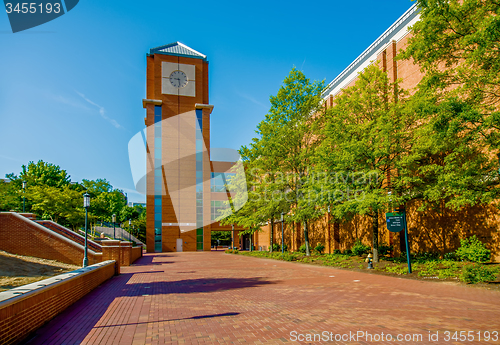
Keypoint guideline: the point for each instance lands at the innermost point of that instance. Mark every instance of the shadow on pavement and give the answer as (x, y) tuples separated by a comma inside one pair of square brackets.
[(80, 318), (167, 320)]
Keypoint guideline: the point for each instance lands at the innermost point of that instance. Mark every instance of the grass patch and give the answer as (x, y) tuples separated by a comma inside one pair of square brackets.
[(424, 266)]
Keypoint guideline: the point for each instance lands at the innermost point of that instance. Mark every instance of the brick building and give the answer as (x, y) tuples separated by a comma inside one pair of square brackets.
[(428, 231)]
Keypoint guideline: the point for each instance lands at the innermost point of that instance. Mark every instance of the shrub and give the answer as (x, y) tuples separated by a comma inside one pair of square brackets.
[(277, 247), (359, 248), (337, 251), (452, 256), (347, 252), (319, 248), (474, 273), (471, 249), (424, 257), (384, 249), (302, 248)]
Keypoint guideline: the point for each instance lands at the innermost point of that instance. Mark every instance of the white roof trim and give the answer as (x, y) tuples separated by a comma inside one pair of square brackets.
[(396, 32)]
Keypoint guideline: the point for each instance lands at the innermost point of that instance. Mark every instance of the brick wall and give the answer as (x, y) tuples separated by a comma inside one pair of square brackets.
[(24, 309), (22, 236), (136, 253)]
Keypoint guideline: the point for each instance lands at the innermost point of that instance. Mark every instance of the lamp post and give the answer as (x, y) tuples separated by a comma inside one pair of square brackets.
[(86, 204), (232, 236), (24, 196), (114, 230), (282, 233), (129, 229)]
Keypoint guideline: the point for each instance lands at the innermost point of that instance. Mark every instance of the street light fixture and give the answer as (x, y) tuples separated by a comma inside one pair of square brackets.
[(114, 230), (86, 205), (24, 196)]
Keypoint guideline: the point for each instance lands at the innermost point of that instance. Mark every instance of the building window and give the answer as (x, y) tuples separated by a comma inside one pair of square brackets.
[(158, 179), (217, 181), (216, 206), (199, 179)]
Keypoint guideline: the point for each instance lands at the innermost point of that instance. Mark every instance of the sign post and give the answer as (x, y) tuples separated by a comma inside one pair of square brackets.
[(396, 222)]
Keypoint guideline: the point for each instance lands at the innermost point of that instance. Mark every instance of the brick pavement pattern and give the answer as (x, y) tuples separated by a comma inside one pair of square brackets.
[(217, 298)]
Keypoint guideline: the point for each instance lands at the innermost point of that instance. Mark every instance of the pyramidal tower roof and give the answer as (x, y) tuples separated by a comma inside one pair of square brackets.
[(177, 49)]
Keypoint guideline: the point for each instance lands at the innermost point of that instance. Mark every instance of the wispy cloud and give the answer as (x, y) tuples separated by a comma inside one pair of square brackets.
[(68, 101), (251, 99), (102, 111), (12, 159)]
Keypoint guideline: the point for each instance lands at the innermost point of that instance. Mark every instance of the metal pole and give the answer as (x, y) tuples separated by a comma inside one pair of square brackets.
[(282, 234), (24, 196), (232, 236), (329, 232), (129, 230), (85, 257), (407, 244)]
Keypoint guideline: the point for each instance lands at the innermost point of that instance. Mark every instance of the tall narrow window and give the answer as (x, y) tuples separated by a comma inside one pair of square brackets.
[(158, 179), (199, 179)]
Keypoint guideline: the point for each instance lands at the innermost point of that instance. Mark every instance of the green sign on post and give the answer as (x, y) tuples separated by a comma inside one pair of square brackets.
[(395, 221)]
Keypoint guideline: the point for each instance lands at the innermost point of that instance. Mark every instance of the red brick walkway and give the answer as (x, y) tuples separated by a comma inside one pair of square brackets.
[(207, 298)]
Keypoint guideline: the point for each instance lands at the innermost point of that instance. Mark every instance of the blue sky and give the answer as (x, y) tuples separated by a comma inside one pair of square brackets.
[(71, 90)]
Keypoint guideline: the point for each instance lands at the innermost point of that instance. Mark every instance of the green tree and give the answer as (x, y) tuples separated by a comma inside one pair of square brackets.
[(10, 196), (456, 44), (365, 137), (62, 205), (41, 173), (282, 153), (448, 165), (105, 200), (245, 203)]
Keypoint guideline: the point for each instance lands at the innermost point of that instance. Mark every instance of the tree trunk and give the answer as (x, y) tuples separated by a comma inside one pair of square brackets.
[(272, 239), (375, 237), (306, 239)]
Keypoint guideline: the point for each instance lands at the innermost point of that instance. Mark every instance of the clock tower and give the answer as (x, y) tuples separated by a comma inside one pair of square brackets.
[(178, 143)]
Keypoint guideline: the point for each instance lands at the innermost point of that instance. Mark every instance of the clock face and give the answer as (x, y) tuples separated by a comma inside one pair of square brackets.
[(178, 79)]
